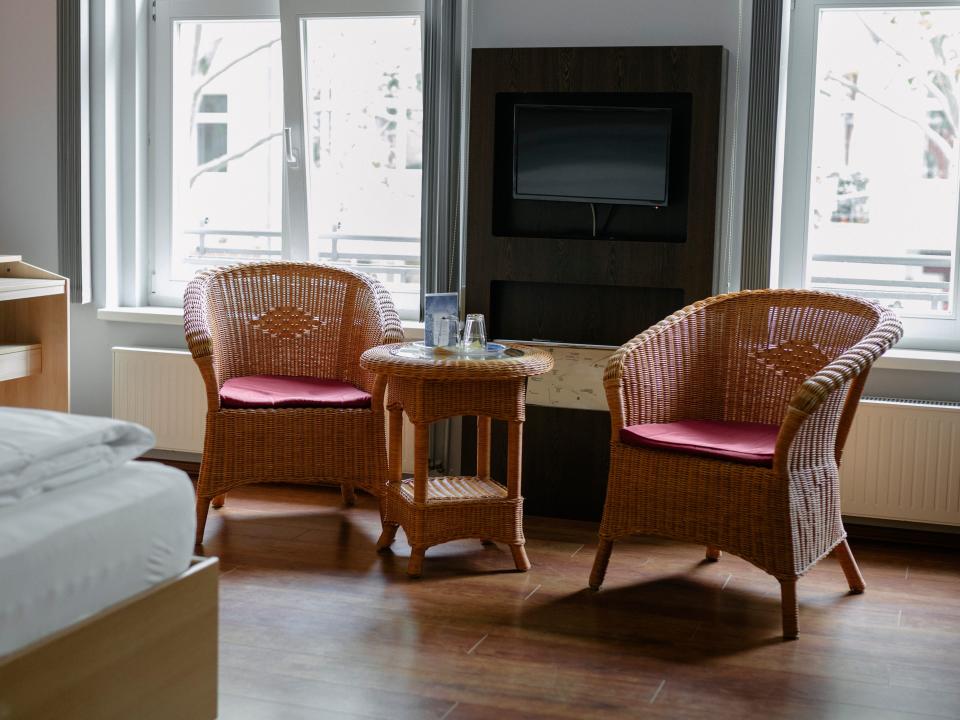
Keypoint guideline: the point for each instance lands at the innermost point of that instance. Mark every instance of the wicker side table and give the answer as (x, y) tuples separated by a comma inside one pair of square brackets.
[(434, 510)]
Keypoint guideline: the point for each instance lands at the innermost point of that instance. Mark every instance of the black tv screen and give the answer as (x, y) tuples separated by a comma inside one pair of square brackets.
[(616, 155)]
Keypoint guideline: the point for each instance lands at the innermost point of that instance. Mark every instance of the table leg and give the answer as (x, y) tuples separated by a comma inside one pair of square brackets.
[(514, 457), (420, 472), (483, 446), (421, 461), (394, 475), (514, 462)]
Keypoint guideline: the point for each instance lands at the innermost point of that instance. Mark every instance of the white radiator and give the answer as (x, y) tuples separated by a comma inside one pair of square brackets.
[(902, 462), (163, 390)]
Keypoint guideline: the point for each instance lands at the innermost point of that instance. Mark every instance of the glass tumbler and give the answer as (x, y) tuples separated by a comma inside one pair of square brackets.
[(474, 333)]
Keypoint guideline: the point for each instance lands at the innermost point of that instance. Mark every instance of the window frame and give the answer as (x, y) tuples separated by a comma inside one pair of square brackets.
[(296, 176), (789, 262), (162, 291)]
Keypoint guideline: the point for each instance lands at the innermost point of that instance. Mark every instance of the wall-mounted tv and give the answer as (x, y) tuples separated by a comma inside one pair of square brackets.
[(575, 153)]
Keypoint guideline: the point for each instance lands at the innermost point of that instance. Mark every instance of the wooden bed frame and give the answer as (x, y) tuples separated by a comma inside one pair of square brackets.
[(152, 657)]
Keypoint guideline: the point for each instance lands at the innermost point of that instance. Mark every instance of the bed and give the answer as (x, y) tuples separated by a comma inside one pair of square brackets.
[(104, 612)]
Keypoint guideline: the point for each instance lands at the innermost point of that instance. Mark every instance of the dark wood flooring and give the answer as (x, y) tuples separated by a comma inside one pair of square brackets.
[(315, 624)]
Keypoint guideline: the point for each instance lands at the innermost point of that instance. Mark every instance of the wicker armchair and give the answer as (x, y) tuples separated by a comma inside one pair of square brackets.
[(295, 322), (791, 361)]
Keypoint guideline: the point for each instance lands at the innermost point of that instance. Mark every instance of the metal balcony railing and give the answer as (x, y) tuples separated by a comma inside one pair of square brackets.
[(936, 292), (400, 267)]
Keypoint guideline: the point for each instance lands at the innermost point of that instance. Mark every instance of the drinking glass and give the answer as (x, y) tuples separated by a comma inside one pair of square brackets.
[(474, 333)]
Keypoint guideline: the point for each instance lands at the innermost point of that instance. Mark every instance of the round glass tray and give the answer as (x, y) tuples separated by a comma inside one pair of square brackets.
[(419, 351)]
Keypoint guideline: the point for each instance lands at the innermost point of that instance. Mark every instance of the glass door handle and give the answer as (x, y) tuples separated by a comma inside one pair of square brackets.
[(289, 152)]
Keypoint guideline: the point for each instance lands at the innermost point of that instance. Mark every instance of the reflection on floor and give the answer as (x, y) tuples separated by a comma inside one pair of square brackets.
[(314, 624)]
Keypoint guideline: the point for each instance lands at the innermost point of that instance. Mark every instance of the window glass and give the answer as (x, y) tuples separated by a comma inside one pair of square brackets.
[(883, 181)]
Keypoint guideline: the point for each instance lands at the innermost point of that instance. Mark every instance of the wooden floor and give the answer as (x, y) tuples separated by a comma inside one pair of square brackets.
[(315, 624)]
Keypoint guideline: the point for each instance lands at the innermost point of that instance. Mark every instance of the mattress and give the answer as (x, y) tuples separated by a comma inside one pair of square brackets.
[(68, 554)]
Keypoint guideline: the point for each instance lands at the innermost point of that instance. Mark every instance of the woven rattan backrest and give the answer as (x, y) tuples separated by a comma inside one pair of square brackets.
[(295, 319), (765, 344)]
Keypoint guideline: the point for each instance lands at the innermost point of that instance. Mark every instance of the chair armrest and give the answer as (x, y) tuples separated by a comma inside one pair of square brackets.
[(390, 329), (646, 379), (384, 330), (195, 323), (819, 409), (196, 328)]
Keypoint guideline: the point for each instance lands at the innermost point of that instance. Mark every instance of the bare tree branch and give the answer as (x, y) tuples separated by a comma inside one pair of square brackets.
[(934, 137), (240, 58), (920, 72), (219, 162)]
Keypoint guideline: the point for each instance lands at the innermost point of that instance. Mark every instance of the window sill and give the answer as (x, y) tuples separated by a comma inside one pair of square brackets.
[(412, 329), (149, 315), (922, 360)]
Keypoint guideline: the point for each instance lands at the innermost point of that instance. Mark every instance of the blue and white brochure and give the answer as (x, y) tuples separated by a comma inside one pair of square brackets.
[(436, 306)]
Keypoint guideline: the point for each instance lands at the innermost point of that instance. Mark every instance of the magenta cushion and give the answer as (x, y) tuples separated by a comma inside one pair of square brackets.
[(750, 443), (277, 391)]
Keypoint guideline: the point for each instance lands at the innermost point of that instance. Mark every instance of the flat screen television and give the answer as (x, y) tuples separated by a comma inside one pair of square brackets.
[(574, 153)]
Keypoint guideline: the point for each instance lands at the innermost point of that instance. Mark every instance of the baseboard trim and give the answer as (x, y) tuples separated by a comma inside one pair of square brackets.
[(940, 536)]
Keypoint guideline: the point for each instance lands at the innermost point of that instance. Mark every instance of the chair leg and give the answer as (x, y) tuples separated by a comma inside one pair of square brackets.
[(346, 491), (203, 507), (713, 553), (789, 609), (520, 558), (387, 536), (415, 566), (219, 500), (600, 563), (850, 569)]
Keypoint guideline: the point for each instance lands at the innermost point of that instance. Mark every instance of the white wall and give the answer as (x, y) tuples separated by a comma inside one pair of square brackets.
[(28, 130), (552, 23)]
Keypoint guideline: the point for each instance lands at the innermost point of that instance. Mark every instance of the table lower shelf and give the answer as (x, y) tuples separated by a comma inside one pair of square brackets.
[(459, 487)]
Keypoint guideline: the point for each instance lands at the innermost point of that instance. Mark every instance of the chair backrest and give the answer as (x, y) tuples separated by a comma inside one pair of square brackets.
[(295, 319), (762, 345)]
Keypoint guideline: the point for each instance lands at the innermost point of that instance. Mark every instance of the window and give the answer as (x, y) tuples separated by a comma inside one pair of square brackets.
[(292, 131), (872, 159)]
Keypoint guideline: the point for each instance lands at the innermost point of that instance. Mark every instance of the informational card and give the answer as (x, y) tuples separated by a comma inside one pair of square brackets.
[(436, 306)]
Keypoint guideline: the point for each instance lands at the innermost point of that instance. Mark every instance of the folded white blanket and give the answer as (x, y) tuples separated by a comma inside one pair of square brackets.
[(42, 450)]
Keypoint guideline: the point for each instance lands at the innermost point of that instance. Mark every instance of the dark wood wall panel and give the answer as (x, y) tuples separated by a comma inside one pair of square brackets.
[(586, 314)]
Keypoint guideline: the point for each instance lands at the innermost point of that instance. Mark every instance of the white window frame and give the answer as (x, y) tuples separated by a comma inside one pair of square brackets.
[(297, 178), (922, 333), (161, 290)]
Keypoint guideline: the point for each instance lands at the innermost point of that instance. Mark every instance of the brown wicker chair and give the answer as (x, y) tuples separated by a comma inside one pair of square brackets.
[(793, 358), (295, 320)]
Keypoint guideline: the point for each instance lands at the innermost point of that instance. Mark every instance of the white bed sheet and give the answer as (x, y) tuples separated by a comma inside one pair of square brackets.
[(67, 554)]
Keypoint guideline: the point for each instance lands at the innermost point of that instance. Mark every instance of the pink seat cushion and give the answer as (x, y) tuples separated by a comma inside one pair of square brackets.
[(277, 391), (743, 442)]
